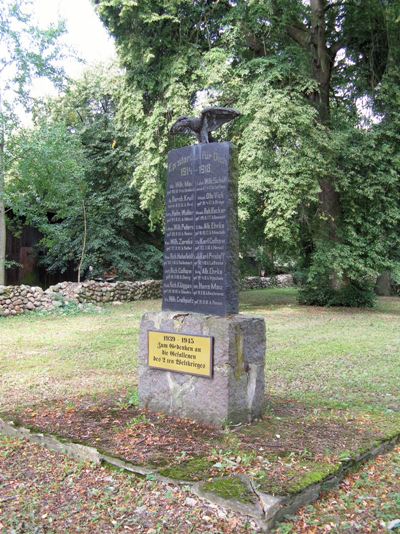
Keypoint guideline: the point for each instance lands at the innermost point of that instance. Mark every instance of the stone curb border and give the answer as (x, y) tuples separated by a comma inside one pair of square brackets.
[(267, 510)]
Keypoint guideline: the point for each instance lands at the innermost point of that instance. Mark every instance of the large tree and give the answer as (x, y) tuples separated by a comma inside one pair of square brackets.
[(46, 189), (26, 52), (70, 179), (305, 75)]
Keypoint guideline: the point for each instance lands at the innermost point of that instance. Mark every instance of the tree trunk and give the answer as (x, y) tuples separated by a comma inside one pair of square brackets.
[(2, 207), (322, 63), (383, 285), (2, 230), (312, 38), (84, 241)]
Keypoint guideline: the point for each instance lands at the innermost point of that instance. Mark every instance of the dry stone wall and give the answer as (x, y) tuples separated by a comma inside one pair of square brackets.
[(102, 292), (261, 282), (19, 299)]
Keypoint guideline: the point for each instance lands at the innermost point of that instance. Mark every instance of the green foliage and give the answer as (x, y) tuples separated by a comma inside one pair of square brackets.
[(229, 488), (9, 264), (47, 173), (46, 187), (138, 420), (327, 282), (71, 180), (133, 398), (282, 153), (68, 309), (315, 188), (26, 52), (352, 295), (193, 469)]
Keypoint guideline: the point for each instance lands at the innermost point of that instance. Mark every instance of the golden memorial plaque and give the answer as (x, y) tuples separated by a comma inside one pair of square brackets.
[(180, 353)]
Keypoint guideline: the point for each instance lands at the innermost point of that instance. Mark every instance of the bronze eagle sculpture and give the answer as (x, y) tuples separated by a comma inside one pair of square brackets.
[(210, 120)]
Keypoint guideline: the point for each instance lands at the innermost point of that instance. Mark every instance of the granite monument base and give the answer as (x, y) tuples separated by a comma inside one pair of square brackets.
[(235, 391)]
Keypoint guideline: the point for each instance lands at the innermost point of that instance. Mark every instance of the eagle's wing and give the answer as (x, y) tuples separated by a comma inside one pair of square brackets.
[(181, 126), (218, 116)]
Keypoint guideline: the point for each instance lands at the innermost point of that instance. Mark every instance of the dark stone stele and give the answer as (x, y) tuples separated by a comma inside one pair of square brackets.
[(201, 238)]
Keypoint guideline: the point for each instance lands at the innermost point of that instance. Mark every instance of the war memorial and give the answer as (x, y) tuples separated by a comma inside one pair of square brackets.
[(199, 358)]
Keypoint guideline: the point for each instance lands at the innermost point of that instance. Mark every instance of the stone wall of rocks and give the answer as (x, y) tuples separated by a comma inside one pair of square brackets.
[(102, 292), (19, 299), (261, 282)]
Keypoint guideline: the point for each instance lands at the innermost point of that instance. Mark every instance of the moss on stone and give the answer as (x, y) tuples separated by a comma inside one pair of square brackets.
[(312, 477), (231, 488), (158, 460), (296, 481), (193, 469), (240, 355)]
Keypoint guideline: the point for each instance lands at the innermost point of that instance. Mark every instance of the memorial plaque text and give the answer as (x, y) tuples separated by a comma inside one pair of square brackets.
[(181, 353), (201, 242)]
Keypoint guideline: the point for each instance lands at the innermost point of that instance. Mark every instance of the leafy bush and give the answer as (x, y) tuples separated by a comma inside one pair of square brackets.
[(299, 278), (352, 296), (133, 398)]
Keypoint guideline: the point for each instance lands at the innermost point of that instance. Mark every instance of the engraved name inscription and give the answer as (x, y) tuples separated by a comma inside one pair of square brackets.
[(196, 229)]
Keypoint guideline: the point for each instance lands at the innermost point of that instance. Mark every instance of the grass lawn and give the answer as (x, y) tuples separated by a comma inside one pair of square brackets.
[(44, 357), (338, 356), (332, 377)]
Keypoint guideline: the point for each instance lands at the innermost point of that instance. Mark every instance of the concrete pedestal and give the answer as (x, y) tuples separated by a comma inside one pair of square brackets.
[(234, 394)]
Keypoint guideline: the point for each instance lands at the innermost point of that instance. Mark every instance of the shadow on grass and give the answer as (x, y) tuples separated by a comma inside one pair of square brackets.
[(268, 298), (274, 298)]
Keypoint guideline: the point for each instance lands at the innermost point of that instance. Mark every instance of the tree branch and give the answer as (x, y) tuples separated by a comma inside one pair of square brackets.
[(334, 49), (335, 4), (84, 240), (298, 34), (296, 31), (79, 115)]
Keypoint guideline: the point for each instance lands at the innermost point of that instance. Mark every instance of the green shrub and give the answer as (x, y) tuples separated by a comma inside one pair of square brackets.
[(299, 277), (352, 295)]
